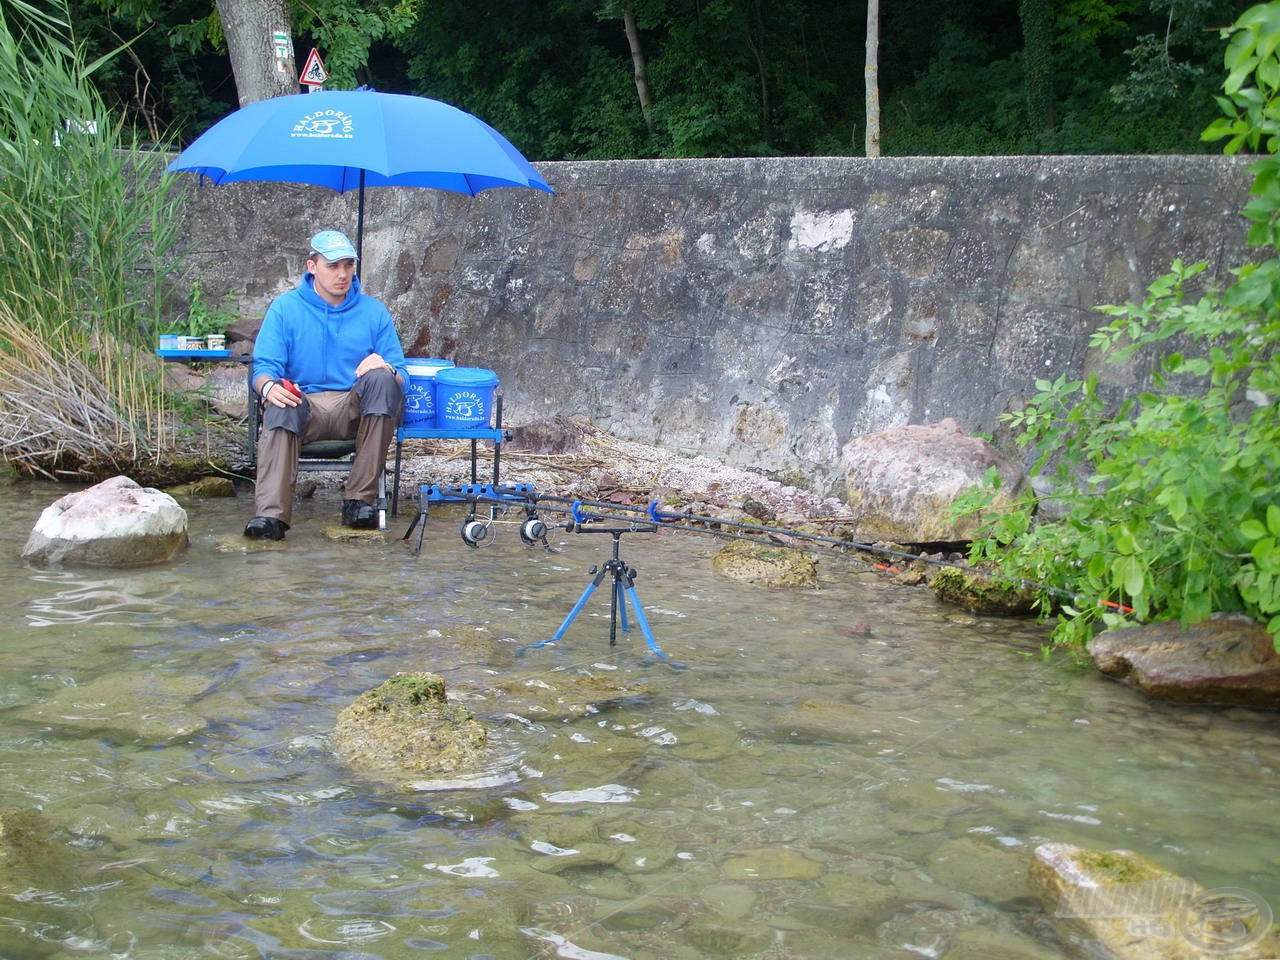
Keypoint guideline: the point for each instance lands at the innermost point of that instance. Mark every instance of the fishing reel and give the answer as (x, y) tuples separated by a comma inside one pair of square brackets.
[(475, 532), (533, 529)]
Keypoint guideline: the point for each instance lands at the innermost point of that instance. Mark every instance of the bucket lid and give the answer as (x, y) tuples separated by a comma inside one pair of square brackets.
[(467, 377), (426, 366)]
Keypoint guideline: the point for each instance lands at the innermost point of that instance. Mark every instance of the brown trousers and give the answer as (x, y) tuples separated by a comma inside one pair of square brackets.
[(368, 413)]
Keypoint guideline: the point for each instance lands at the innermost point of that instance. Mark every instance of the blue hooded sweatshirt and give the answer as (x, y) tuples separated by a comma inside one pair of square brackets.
[(318, 346)]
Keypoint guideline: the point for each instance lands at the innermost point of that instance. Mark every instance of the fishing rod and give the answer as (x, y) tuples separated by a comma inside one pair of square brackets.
[(534, 530), (831, 546)]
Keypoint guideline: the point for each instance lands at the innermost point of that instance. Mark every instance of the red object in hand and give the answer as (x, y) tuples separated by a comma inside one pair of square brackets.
[(291, 387)]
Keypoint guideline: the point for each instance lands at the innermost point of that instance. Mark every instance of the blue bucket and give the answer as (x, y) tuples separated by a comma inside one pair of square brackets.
[(420, 391), (464, 397)]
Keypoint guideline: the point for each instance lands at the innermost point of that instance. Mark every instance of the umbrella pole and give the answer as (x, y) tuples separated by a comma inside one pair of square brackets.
[(360, 223)]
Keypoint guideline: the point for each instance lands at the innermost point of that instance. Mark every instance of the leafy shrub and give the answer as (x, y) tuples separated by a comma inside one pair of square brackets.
[(1170, 504), (203, 318)]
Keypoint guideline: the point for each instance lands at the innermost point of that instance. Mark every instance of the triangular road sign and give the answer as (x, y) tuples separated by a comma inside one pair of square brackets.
[(313, 73)]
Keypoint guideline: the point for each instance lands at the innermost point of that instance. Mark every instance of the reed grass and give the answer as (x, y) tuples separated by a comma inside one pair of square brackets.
[(87, 220)]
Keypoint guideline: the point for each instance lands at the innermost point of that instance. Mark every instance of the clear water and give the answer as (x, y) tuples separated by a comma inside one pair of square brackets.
[(856, 771)]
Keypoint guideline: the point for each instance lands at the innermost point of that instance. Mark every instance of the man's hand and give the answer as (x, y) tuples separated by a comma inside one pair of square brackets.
[(282, 393), (373, 361)]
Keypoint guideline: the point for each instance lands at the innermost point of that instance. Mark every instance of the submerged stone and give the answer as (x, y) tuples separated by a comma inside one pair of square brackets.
[(150, 706), (770, 863), (31, 857), (338, 532), (720, 940), (992, 873), (205, 487), (767, 566), (558, 696)]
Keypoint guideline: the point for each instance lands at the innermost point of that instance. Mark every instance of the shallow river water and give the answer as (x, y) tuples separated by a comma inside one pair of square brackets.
[(854, 771)]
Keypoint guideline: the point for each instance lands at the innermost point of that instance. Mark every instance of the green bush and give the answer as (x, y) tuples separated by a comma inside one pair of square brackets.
[(204, 318), (1170, 500)]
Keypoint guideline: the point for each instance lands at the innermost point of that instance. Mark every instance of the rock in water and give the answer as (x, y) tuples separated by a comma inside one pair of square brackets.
[(1119, 904), (116, 523), (1225, 659), (767, 566), (984, 593), (407, 730), (902, 482)]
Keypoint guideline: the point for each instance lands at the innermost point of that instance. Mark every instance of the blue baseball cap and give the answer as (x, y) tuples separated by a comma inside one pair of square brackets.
[(333, 246)]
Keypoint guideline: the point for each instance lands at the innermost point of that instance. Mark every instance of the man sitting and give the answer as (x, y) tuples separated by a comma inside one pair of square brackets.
[(328, 366)]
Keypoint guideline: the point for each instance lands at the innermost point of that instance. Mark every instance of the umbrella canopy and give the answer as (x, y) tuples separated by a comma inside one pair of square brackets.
[(350, 139)]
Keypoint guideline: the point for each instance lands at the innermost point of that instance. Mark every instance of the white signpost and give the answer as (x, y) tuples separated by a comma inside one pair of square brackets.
[(283, 48)]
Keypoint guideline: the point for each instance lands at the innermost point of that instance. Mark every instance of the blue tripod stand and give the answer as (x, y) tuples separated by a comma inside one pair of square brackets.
[(623, 589)]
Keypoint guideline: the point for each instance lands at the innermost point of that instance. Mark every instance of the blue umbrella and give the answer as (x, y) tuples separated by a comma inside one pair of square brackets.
[(350, 139)]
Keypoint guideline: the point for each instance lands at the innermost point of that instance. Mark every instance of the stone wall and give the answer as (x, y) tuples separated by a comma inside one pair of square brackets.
[(759, 311)]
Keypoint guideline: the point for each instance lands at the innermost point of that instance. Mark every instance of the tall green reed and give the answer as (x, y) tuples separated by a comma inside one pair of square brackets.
[(87, 219)]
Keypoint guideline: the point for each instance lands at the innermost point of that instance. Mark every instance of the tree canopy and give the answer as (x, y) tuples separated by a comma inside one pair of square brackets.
[(723, 77)]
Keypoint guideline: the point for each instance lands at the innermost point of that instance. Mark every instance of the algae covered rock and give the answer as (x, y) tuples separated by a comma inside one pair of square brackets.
[(767, 566), (31, 857), (205, 487), (983, 593), (407, 728), (1118, 903)]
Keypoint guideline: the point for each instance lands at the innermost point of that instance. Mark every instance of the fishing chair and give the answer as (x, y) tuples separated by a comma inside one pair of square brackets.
[(319, 456)]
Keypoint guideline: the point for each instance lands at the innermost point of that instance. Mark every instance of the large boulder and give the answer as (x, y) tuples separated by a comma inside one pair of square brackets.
[(116, 523), (1226, 659), (902, 482), (1120, 905)]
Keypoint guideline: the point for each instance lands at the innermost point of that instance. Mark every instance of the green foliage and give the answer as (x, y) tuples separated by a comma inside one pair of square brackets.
[(1170, 499), (345, 30), (1109, 90), (1037, 62), (204, 318), (175, 75), (86, 223), (729, 77)]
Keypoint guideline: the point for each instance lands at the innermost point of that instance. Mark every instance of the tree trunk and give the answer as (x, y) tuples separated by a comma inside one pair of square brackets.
[(871, 76), (766, 111), (260, 46), (637, 58), (1037, 63)]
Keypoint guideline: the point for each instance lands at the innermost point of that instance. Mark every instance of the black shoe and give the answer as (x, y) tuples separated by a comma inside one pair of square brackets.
[(359, 515), (265, 528)]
